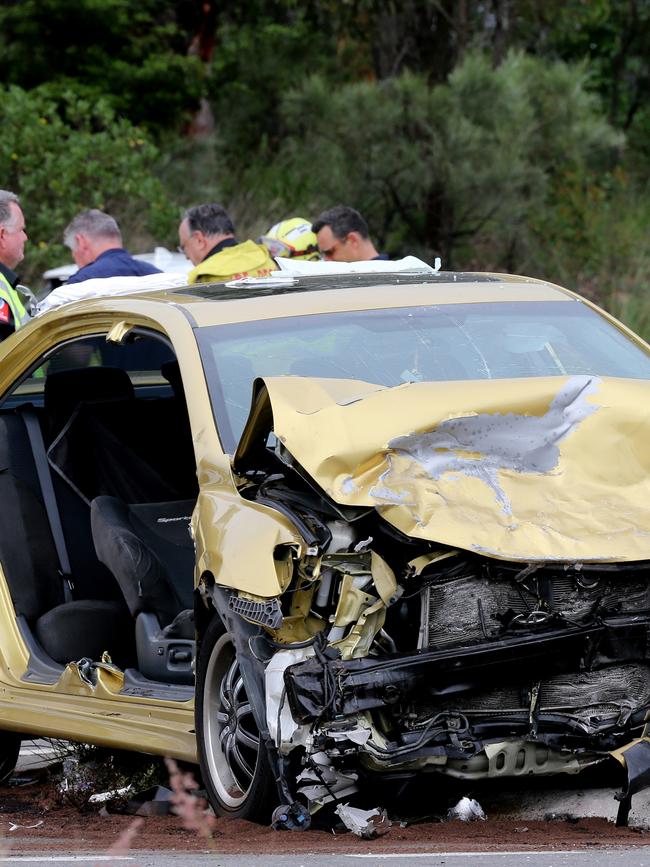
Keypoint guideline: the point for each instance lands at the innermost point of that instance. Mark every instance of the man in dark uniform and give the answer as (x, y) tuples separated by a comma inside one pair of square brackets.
[(96, 244)]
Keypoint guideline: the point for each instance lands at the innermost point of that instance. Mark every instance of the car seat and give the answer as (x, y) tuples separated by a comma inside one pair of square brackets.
[(149, 550)]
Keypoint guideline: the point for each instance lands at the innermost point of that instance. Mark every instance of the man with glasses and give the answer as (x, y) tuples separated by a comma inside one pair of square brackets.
[(207, 237), (95, 241), (12, 245), (343, 236)]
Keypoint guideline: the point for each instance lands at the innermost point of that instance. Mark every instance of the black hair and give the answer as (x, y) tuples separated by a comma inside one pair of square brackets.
[(342, 220)]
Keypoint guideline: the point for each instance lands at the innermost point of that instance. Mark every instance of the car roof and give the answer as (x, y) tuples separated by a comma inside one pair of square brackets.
[(215, 303), (208, 304)]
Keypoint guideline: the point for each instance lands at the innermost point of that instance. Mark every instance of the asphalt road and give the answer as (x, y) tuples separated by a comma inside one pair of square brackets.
[(584, 858)]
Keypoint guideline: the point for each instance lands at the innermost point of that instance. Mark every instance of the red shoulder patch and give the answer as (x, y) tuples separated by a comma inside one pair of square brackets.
[(5, 311)]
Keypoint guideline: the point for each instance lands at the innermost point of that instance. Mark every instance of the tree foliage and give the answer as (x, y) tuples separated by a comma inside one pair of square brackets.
[(438, 169), (488, 131), (253, 68), (611, 36), (64, 157), (132, 54)]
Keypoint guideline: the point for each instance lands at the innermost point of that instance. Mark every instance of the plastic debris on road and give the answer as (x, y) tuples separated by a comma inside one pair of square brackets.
[(467, 810), (14, 827), (364, 823)]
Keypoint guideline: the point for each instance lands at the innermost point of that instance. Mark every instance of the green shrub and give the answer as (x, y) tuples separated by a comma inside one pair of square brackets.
[(512, 168), (134, 55), (64, 157), (440, 169)]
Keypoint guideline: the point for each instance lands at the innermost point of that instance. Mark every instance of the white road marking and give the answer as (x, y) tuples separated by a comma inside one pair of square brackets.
[(547, 852), (48, 859)]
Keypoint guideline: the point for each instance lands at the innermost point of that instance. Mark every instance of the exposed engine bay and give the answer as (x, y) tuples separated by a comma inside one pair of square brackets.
[(391, 654)]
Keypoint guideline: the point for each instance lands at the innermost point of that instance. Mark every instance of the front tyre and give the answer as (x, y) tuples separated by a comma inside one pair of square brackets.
[(234, 763)]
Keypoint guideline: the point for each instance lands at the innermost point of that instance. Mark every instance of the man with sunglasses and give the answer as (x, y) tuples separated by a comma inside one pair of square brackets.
[(207, 237), (13, 313), (343, 236)]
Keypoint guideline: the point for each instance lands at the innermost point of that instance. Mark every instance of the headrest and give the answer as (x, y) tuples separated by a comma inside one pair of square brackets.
[(172, 373), (65, 389)]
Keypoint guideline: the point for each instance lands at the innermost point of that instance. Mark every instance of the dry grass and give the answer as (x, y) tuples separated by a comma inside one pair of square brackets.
[(192, 810)]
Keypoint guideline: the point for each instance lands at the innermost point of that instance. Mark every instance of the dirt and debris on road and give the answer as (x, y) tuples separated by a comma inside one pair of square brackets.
[(64, 828)]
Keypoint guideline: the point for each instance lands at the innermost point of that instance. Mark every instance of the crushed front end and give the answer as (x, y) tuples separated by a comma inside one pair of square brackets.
[(392, 652), (463, 666)]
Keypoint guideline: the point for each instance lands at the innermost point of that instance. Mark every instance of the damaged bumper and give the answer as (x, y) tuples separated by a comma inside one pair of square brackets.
[(324, 688), (404, 640)]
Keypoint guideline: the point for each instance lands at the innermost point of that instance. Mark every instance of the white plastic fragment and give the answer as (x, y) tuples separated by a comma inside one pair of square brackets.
[(359, 735), (101, 797), (321, 783), (309, 268), (273, 280), (364, 823), (14, 827), (284, 730), (467, 810)]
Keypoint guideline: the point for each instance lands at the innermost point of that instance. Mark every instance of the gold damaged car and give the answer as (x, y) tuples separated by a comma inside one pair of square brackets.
[(318, 531)]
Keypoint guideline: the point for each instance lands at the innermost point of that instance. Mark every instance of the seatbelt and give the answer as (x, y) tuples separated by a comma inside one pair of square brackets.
[(49, 498)]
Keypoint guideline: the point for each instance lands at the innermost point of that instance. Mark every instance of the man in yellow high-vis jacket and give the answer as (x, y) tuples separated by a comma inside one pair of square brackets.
[(207, 237), (12, 245)]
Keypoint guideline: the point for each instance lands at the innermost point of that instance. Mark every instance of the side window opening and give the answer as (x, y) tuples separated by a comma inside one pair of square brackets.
[(141, 356), (115, 420)]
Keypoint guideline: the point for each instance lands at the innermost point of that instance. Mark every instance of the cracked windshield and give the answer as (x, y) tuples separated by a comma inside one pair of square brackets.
[(414, 344)]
